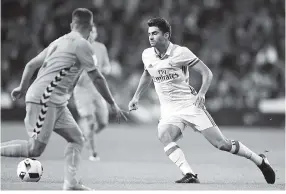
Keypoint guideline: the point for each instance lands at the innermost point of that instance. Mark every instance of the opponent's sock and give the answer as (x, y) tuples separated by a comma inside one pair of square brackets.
[(72, 160), (15, 148), (241, 150), (90, 140), (177, 156), (88, 125)]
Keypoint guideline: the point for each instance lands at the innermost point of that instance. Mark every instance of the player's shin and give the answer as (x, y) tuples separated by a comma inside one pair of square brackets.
[(72, 160), (15, 148), (176, 155), (239, 149)]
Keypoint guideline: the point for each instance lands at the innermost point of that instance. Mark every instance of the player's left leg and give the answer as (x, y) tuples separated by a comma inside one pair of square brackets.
[(218, 140), (67, 127)]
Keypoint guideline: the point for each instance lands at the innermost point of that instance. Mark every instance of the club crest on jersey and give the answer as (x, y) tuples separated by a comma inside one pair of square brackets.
[(150, 66)]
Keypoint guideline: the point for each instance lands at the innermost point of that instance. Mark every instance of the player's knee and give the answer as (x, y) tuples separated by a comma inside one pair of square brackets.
[(88, 134), (224, 145), (36, 148), (164, 136), (101, 126), (80, 140)]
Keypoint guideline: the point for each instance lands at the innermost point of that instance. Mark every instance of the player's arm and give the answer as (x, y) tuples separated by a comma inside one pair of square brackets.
[(88, 60), (100, 83), (144, 83), (28, 73), (30, 69), (207, 76)]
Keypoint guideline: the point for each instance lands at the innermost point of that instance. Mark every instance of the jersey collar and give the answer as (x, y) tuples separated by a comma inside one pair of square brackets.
[(168, 52), (76, 33)]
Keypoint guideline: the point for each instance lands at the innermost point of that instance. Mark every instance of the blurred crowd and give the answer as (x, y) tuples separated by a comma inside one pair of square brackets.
[(241, 41)]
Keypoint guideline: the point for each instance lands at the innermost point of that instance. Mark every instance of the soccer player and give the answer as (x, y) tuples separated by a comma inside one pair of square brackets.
[(167, 65), (92, 108), (61, 64)]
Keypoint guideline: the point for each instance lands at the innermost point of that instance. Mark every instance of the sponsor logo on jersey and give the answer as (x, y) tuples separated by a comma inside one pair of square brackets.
[(164, 75)]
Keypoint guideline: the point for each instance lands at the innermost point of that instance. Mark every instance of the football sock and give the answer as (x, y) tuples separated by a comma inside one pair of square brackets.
[(176, 155), (72, 160), (88, 126), (15, 148), (91, 143), (241, 150)]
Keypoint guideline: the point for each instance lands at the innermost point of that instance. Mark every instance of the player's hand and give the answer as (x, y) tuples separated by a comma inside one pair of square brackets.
[(133, 105), (119, 113), (17, 93), (200, 100)]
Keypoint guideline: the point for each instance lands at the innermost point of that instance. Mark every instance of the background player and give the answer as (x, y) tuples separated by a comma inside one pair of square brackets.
[(46, 99), (91, 107), (167, 64)]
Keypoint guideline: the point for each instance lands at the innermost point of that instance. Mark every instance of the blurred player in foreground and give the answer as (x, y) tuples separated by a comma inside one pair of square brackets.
[(167, 65), (61, 64), (91, 107)]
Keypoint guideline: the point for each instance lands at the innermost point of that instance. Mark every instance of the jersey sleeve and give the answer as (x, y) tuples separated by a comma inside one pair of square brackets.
[(86, 56), (186, 58), (144, 59)]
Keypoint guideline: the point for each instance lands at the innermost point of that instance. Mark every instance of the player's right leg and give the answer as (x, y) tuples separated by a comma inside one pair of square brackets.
[(33, 147), (101, 113), (169, 132), (88, 124), (218, 140), (97, 125), (67, 127), (87, 119)]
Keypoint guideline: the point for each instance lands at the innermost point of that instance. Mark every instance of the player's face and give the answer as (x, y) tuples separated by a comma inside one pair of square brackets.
[(93, 34), (156, 36)]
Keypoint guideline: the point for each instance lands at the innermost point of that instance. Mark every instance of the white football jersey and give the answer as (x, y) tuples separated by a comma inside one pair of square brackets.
[(170, 76)]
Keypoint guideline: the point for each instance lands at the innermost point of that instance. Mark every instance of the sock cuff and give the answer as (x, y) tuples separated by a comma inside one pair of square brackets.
[(170, 148), (234, 146), (170, 145)]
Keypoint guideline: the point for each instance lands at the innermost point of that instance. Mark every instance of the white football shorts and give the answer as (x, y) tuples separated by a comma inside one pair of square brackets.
[(192, 116)]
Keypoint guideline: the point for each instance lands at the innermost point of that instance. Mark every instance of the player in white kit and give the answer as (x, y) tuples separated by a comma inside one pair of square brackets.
[(61, 64), (167, 65), (91, 106)]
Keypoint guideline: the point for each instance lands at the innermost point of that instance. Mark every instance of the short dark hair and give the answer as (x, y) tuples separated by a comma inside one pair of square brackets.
[(82, 17), (161, 23)]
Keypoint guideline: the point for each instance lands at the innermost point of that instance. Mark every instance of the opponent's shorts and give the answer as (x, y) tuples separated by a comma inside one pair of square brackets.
[(192, 116), (56, 118), (88, 103)]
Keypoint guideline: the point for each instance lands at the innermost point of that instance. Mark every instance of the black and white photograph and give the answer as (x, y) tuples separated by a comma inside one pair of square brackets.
[(143, 95)]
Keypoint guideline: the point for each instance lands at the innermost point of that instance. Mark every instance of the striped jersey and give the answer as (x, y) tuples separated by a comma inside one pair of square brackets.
[(170, 75), (66, 58)]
